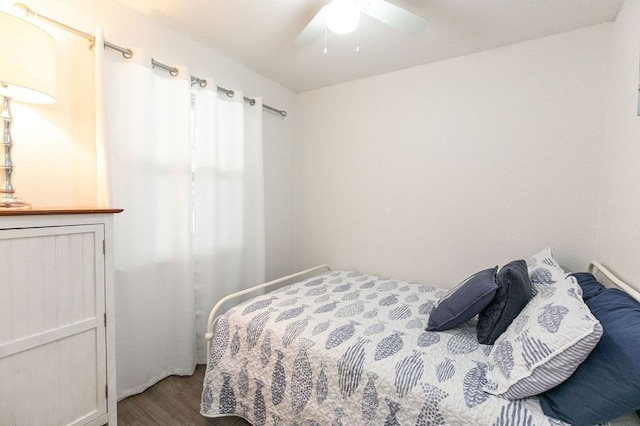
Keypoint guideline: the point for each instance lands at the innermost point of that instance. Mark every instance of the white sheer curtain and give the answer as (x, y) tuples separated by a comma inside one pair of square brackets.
[(228, 199), (186, 167)]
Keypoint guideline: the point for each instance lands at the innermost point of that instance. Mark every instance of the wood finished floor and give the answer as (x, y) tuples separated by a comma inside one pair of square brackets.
[(172, 401)]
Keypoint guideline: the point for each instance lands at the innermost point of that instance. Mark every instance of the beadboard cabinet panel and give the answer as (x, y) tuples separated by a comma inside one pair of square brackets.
[(41, 385), (56, 357)]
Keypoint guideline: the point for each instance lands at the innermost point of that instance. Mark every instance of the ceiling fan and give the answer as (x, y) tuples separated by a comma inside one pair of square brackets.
[(342, 16)]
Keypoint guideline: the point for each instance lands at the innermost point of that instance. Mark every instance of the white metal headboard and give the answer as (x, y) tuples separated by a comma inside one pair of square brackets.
[(597, 268), (214, 314)]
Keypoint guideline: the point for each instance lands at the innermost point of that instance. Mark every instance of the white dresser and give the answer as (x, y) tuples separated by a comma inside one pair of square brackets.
[(57, 354)]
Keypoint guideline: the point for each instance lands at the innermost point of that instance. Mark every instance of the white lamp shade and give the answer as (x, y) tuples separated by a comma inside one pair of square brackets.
[(27, 61)]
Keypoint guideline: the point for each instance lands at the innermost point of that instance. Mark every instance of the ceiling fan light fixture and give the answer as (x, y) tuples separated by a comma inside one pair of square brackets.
[(343, 16)]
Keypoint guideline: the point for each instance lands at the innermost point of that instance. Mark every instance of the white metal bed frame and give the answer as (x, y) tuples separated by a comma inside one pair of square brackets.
[(597, 268), (258, 289), (594, 267)]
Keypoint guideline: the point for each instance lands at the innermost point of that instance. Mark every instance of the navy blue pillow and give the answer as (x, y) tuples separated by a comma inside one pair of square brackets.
[(464, 301), (590, 286), (607, 384), (513, 294)]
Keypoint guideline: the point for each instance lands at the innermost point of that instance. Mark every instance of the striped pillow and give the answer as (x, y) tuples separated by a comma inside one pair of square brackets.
[(545, 344)]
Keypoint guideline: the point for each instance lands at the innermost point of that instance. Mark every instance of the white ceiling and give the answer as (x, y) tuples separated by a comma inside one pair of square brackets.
[(260, 34)]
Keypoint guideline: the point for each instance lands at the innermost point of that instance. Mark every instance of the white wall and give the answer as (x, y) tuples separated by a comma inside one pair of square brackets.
[(427, 173), (619, 232), (53, 151), (55, 158), (434, 172)]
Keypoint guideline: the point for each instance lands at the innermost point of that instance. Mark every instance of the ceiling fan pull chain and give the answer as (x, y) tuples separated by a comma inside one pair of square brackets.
[(325, 40)]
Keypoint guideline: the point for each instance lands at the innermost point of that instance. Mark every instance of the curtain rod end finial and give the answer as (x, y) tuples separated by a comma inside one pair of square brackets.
[(22, 10)]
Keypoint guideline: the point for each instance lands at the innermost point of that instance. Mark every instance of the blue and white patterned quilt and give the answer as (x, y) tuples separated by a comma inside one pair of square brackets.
[(345, 348)]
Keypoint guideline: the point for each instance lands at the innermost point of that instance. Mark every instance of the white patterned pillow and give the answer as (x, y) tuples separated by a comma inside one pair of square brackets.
[(544, 269), (544, 345)]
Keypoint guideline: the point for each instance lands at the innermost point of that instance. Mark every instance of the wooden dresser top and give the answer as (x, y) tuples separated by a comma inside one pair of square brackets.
[(34, 211)]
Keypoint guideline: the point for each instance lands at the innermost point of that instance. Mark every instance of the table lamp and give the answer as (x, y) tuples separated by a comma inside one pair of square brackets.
[(27, 74)]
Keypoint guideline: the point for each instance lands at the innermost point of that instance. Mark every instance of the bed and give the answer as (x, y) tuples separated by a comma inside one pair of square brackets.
[(346, 348)]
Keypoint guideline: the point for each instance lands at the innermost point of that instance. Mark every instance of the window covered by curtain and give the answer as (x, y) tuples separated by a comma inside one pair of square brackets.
[(186, 166), (228, 199)]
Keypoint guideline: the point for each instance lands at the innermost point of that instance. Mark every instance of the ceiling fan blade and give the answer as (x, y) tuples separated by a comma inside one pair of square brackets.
[(395, 16), (314, 28)]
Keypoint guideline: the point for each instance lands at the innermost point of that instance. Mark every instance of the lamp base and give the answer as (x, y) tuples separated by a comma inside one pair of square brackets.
[(10, 202), (8, 199)]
